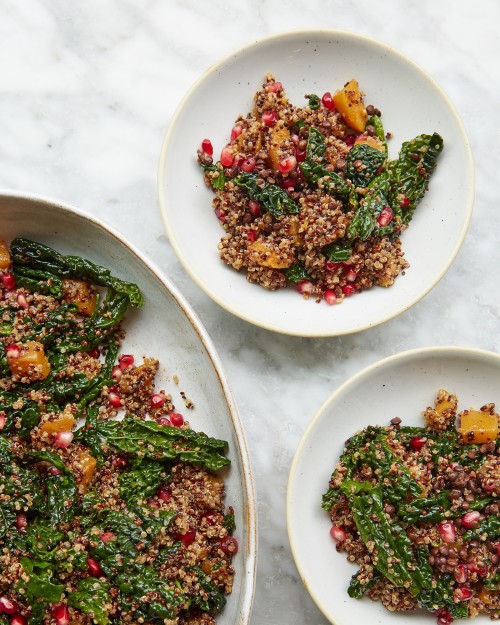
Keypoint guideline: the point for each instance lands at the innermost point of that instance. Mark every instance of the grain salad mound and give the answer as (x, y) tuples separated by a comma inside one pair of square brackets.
[(118, 520), (307, 195), (418, 510)]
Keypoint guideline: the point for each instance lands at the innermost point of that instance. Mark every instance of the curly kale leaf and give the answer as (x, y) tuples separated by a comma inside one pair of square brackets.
[(26, 253), (218, 182), (338, 252), (270, 196), (40, 584), (91, 597), (316, 173), (296, 273), (363, 164)]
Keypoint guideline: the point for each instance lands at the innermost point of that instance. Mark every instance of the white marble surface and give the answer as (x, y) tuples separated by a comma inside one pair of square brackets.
[(87, 91)]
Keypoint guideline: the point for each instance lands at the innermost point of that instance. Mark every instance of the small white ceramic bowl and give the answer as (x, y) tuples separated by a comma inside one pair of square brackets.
[(400, 386), (305, 62), (165, 328)]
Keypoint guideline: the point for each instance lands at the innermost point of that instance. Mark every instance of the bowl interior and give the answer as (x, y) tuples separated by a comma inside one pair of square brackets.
[(315, 62), (165, 329), (400, 386)]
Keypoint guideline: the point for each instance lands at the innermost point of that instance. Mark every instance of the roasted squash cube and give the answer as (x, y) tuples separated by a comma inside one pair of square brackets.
[(81, 294), (62, 423), (4, 256), (278, 145), (349, 103), (478, 426), (268, 255), (85, 468), (373, 142), (29, 361)]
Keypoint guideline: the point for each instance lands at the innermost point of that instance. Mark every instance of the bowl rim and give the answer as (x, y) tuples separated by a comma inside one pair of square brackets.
[(249, 572), (210, 71), (407, 355)]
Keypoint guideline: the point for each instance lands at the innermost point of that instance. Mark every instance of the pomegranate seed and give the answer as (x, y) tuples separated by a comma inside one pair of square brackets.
[(294, 138), (348, 290), (417, 442), (252, 236), (12, 351), (470, 520), (220, 214), (481, 569), (22, 301), (164, 494), (94, 568), (229, 545), (327, 101), (210, 518), (275, 87), (331, 266), (269, 118), (153, 504), (18, 619), (304, 287), (207, 147), (61, 614), (462, 593), (236, 132), (351, 275), (115, 399), (444, 617), (386, 216), (107, 537), (116, 373), (163, 421), (94, 353), (54, 471), (119, 463), (176, 419), (300, 155), (21, 522), (350, 140), (157, 400), (3, 421), (338, 533), (447, 531), (461, 573), (287, 165), (248, 164), (254, 208), (226, 157), (330, 297), (7, 606), (63, 439), (125, 361), (405, 201), (8, 280), (187, 538)]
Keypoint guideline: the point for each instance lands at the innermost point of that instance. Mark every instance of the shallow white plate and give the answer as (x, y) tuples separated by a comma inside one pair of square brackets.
[(305, 62), (399, 386), (165, 328)]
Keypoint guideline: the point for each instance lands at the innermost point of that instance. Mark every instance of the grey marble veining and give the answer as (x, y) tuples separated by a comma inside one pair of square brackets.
[(87, 91)]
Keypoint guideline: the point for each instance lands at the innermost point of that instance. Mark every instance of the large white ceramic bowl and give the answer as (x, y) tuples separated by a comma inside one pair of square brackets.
[(315, 61), (399, 386), (166, 328)]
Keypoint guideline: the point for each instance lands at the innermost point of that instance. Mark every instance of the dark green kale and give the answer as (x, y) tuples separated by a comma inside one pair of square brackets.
[(411, 172), (376, 123), (370, 206), (214, 600), (363, 164), (91, 597), (296, 273), (271, 197), (40, 584), (338, 252), (219, 181), (229, 522), (26, 253), (316, 173), (314, 101), (356, 590)]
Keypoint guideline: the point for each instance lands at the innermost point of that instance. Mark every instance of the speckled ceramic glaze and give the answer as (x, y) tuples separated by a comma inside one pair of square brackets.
[(315, 62), (165, 328), (400, 386)]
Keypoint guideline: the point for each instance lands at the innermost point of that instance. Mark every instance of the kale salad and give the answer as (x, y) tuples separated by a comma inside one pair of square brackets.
[(418, 510), (308, 196), (102, 520)]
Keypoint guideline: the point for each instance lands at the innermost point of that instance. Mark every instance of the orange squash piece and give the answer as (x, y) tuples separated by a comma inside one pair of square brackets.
[(4, 255), (81, 294), (477, 426), (279, 135), (63, 423), (373, 142), (86, 465), (489, 597), (266, 255), (349, 103), (31, 361)]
